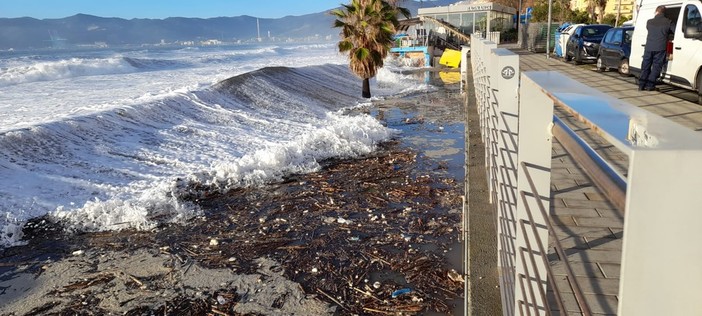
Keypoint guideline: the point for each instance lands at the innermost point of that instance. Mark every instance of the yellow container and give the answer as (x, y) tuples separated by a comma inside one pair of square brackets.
[(450, 77), (450, 58)]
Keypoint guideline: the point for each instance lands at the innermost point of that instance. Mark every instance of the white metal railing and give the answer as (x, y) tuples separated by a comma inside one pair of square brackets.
[(660, 272), (495, 77), (493, 36)]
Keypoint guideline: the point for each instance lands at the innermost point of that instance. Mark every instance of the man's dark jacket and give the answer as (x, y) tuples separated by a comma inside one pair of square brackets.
[(658, 30)]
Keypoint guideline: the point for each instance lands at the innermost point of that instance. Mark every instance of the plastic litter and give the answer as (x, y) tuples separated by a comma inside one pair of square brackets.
[(342, 220), (400, 292)]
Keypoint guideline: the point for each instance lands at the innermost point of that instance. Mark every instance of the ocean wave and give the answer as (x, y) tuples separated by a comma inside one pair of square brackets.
[(311, 46), (156, 64), (402, 84), (81, 67), (339, 137), (239, 55), (127, 167)]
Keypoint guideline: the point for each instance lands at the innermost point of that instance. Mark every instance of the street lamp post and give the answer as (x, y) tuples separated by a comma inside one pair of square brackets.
[(520, 38), (548, 30)]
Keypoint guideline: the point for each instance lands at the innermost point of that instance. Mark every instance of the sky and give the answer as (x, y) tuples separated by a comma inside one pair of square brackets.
[(159, 9)]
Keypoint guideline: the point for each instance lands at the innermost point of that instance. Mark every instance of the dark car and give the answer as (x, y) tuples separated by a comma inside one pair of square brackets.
[(584, 44), (615, 49)]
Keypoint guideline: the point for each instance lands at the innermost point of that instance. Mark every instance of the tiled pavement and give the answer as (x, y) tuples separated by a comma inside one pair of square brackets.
[(590, 229)]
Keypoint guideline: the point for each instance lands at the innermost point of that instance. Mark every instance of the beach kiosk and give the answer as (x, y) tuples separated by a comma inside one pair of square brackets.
[(440, 31), (485, 18)]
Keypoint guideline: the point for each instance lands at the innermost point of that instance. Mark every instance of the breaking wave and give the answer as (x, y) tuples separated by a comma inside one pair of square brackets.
[(127, 167)]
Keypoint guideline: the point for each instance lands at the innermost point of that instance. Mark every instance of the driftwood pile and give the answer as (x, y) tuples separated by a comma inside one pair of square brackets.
[(369, 236)]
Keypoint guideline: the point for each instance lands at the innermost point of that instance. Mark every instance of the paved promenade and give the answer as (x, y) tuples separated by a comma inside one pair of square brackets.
[(589, 227)]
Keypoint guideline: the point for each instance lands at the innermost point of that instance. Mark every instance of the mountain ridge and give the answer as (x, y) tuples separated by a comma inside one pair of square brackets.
[(85, 29)]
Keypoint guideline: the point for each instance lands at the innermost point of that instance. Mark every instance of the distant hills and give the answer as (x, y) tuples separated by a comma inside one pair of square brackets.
[(82, 29)]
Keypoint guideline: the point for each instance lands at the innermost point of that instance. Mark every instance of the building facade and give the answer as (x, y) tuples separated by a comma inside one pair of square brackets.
[(470, 17), (624, 7)]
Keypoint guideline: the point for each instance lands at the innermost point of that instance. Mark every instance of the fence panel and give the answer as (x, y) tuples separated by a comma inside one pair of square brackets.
[(496, 78), (660, 270)]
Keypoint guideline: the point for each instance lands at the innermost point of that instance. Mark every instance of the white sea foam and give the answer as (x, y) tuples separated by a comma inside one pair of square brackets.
[(117, 150), (337, 136), (401, 84), (68, 68)]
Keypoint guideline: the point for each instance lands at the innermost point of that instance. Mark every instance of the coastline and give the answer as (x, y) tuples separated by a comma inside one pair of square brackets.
[(347, 238)]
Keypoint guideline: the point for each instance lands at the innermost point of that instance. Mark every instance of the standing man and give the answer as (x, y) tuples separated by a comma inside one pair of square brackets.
[(659, 27)]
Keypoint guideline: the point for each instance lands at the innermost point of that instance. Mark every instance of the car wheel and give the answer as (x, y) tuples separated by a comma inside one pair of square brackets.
[(567, 57), (600, 64), (578, 57), (699, 87), (624, 68)]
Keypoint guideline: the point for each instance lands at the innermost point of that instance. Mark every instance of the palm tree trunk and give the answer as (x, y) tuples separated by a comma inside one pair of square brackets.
[(366, 88)]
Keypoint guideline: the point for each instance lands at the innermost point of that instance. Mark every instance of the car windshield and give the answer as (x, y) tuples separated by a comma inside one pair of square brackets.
[(595, 31)]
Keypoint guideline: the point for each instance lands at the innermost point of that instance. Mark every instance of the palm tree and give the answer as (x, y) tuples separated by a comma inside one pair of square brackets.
[(601, 5), (597, 6), (367, 29)]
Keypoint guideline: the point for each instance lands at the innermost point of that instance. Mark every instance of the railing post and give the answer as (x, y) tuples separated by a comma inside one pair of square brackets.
[(480, 60), (481, 76), (504, 155), (467, 299), (661, 255), (489, 103), (535, 122), (496, 79), (660, 267), (464, 67)]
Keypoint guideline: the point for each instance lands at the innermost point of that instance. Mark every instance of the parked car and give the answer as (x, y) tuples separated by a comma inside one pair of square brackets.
[(562, 39), (615, 49), (584, 44)]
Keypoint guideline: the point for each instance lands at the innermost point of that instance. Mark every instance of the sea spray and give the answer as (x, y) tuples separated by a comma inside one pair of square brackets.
[(341, 137), (116, 151)]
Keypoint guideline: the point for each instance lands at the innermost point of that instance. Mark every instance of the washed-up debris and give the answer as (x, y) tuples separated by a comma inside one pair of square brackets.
[(352, 234), (455, 276), (400, 292)]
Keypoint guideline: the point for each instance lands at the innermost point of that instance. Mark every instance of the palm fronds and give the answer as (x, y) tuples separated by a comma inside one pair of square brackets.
[(367, 29)]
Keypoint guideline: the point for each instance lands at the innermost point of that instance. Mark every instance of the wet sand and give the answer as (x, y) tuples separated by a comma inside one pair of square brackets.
[(376, 235)]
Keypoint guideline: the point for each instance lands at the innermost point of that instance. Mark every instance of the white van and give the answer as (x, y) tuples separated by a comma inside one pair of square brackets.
[(684, 67)]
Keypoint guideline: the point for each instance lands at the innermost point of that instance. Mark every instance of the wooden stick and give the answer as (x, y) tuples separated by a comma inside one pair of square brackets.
[(377, 198), (331, 298), (135, 280), (378, 311), (292, 247), (192, 253), (366, 293), (378, 258), (214, 310)]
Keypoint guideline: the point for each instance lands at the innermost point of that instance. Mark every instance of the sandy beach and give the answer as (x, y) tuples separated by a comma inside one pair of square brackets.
[(378, 235)]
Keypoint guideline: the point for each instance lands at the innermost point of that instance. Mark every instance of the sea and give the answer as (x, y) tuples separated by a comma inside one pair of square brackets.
[(103, 139)]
